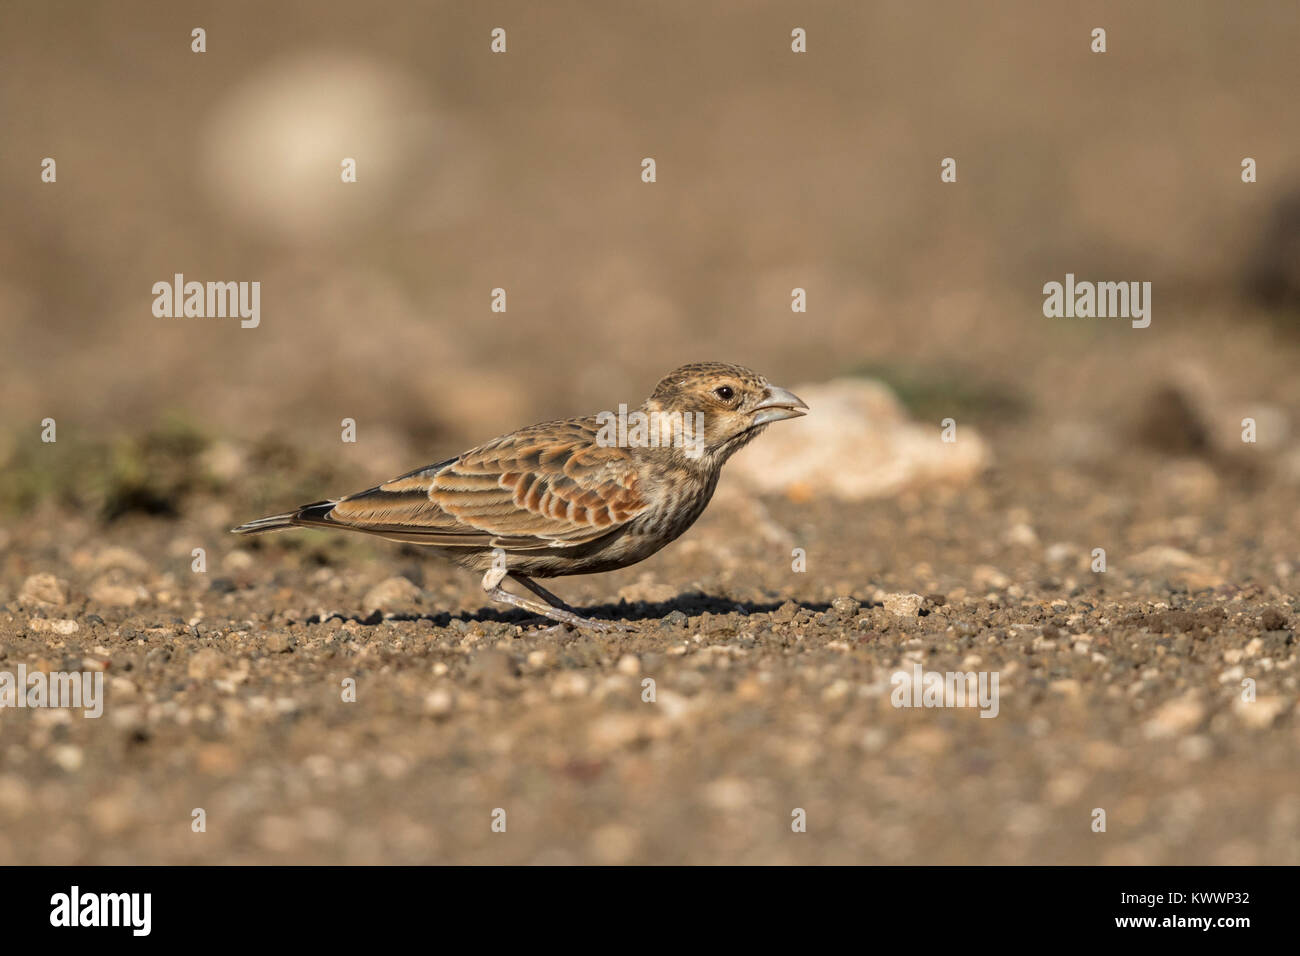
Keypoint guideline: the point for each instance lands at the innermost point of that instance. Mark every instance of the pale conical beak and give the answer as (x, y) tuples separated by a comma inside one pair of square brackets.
[(777, 405)]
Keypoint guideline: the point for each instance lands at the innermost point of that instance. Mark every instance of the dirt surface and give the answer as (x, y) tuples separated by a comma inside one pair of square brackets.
[(1118, 690)]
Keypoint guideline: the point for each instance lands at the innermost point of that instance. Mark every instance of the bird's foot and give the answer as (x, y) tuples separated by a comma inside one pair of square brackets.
[(564, 616)]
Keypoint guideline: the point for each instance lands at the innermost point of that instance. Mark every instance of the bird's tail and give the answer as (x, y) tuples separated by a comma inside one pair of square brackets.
[(306, 516)]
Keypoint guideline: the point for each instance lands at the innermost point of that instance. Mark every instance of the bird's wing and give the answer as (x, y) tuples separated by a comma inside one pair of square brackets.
[(546, 486)]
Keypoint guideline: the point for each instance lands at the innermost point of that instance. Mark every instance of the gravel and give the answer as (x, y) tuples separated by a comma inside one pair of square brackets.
[(339, 712)]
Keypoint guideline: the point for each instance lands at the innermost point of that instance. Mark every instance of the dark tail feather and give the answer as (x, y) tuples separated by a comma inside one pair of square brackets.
[(312, 514)]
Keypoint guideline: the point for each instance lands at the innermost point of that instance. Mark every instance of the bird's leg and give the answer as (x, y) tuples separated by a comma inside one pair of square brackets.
[(552, 599), (492, 585)]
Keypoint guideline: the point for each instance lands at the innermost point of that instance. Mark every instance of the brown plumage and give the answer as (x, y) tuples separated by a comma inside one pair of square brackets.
[(568, 497)]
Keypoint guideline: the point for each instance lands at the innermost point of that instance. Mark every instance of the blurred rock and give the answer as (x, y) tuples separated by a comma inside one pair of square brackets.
[(1196, 572), (117, 558), (855, 443), (237, 561), (647, 589), (1188, 414), (205, 664), (439, 702), (987, 576), (223, 460), (1190, 480), (570, 684), (278, 642), (390, 593), (1061, 552), (266, 141), (1259, 714), (62, 627), (1175, 718), (729, 794), (1021, 536), (68, 757), (44, 589), (117, 595)]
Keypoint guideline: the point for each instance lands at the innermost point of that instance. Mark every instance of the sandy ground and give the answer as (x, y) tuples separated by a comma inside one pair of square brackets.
[(1119, 690)]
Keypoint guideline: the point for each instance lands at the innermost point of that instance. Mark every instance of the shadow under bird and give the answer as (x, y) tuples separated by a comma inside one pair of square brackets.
[(569, 497)]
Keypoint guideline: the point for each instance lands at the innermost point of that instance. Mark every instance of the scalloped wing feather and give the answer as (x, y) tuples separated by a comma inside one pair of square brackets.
[(546, 486)]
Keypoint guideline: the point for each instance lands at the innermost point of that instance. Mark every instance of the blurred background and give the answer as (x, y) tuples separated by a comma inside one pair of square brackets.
[(522, 171)]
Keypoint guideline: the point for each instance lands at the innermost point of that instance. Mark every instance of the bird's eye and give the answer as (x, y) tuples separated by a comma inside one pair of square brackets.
[(724, 392)]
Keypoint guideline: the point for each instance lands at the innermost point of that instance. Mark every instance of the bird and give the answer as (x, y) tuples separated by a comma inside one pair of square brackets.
[(577, 496)]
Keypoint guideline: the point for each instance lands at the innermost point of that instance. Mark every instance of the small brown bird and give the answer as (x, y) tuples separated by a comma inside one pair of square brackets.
[(569, 497)]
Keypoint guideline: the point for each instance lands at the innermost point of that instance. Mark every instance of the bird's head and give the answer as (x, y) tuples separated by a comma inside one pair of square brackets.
[(722, 408)]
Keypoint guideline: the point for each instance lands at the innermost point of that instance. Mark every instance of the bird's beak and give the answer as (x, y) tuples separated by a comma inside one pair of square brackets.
[(777, 405)]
